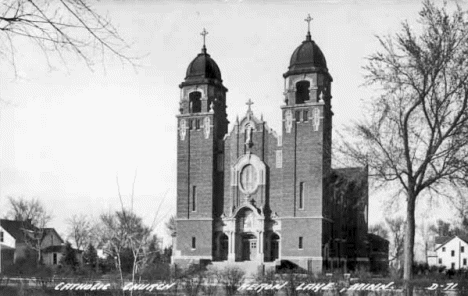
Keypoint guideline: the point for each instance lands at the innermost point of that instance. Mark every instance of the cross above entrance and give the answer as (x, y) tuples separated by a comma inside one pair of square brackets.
[(249, 103)]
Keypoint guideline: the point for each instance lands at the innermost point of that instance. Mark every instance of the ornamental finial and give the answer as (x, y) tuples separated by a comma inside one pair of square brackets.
[(308, 20), (204, 33)]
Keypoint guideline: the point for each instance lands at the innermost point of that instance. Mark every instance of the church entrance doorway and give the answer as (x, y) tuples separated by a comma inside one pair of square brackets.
[(249, 247), (274, 247)]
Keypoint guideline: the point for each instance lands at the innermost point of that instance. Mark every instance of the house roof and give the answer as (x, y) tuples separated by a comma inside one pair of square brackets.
[(443, 240), (15, 228), (52, 231)]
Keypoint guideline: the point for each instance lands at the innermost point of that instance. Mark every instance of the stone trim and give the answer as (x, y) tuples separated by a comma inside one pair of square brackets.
[(194, 219), (310, 217), (302, 258), (185, 257)]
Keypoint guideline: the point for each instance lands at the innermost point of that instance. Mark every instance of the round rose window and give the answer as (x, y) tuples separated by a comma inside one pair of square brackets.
[(248, 178)]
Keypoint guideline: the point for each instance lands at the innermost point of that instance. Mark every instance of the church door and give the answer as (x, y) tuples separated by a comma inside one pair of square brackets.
[(253, 249), (245, 250), (274, 247)]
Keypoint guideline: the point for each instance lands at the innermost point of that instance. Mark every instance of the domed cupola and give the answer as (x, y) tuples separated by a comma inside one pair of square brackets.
[(203, 69), (307, 58), (203, 96), (307, 80)]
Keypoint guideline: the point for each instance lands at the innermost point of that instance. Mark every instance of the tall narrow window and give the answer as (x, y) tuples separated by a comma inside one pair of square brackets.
[(194, 243), (54, 259), (1, 236), (301, 195), (194, 198), (301, 242), (462, 249), (302, 91), (453, 253), (195, 102), (298, 116), (305, 115)]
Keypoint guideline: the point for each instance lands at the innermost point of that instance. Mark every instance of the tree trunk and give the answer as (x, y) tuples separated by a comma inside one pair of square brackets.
[(409, 243)]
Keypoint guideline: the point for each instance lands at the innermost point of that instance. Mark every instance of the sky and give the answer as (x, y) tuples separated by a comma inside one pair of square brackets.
[(68, 133)]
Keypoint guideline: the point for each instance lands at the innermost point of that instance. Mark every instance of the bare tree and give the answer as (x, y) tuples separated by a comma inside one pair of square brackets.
[(124, 230), (35, 218), (426, 230), (80, 230), (460, 203), (59, 26), (416, 131), (397, 238), (23, 209), (171, 226), (379, 229)]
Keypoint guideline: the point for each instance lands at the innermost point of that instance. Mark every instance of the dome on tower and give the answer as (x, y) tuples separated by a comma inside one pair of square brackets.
[(307, 58), (203, 67)]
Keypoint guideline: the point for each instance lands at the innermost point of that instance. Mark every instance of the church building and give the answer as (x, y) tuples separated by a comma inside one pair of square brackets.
[(249, 195)]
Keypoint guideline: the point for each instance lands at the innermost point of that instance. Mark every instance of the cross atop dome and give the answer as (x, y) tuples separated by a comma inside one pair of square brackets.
[(308, 20), (204, 33)]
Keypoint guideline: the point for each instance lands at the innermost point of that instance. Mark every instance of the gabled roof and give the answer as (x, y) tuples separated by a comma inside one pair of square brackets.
[(443, 240), (52, 231), (15, 228)]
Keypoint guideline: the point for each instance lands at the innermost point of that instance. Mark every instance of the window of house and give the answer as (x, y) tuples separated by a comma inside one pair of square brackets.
[(443, 249), (440, 260), (194, 243), (305, 115), (302, 91), (190, 124), (194, 198), (298, 116), (464, 261), (54, 258), (197, 124), (462, 249), (301, 195), (453, 265), (195, 102), (452, 253), (1, 236), (301, 242)]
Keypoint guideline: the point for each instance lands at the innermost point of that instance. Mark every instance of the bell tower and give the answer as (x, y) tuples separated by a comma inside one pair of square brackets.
[(202, 123), (307, 122)]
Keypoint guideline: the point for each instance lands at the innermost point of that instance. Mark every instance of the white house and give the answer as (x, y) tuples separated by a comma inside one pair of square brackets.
[(452, 252), (7, 248)]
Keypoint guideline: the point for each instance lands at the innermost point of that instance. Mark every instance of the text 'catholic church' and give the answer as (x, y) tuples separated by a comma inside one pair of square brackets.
[(251, 196)]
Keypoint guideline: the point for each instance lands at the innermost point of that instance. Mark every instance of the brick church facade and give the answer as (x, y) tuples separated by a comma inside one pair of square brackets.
[(249, 194)]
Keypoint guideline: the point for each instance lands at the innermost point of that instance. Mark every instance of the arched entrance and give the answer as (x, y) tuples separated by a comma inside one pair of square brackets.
[(247, 243)]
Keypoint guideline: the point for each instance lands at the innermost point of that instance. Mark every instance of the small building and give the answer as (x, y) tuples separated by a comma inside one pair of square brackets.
[(18, 239), (7, 248), (378, 253), (452, 251)]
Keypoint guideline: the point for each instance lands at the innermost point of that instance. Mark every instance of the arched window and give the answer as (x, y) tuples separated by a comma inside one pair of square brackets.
[(302, 91), (195, 102)]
